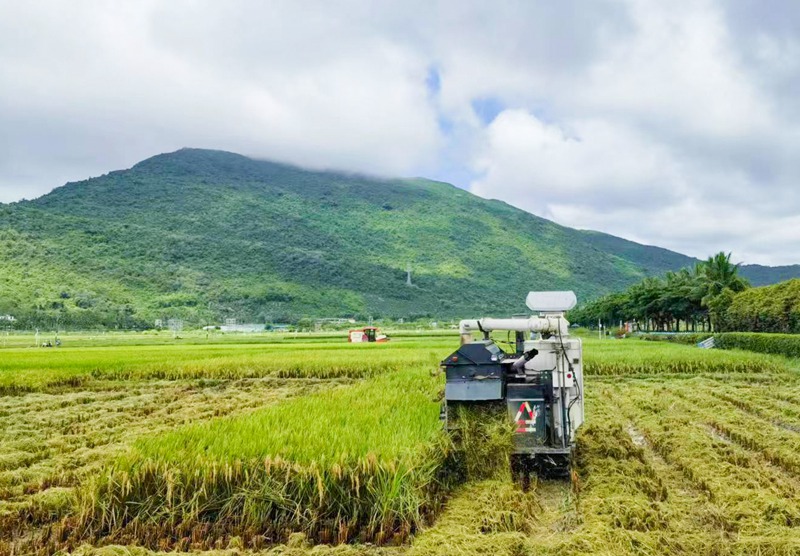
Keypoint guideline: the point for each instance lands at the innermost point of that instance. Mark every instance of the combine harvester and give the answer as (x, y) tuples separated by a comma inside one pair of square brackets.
[(366, 334), (540, 385)]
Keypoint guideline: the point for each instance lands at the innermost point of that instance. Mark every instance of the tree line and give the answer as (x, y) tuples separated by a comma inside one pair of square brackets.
[(694, 299), (773, 308)]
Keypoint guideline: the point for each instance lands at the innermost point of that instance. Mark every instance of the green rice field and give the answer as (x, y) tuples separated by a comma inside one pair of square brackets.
[(311, 445)]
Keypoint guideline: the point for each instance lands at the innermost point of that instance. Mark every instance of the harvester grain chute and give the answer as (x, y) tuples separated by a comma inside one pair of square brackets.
[(539, 385)]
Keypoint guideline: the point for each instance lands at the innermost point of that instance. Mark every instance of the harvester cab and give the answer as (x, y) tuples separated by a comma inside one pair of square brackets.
[(539, 385), (366, 334)]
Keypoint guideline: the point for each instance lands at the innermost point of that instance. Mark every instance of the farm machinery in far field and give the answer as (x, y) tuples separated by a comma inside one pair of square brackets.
[(366, 334), (539, 385)]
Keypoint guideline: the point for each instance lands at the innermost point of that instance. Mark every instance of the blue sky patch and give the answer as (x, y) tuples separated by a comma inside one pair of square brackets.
[(433, 81), (487, 108)]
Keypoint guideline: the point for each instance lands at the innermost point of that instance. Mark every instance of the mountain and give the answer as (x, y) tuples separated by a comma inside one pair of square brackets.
[(205, 235), (759, 275)]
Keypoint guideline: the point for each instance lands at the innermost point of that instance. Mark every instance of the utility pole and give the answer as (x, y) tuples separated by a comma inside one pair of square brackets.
[(408, 274)]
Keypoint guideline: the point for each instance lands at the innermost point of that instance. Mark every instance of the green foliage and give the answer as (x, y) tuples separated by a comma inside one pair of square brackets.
[(766, 309), (205, 235), (694, 297), (698, 295), (787, 345), (718, 308), (720, 281), (778, 344), (719, 274)]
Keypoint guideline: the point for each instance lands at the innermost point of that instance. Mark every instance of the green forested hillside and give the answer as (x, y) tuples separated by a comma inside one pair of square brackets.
[(203, 235)]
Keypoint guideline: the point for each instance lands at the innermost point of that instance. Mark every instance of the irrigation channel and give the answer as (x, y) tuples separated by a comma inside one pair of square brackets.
[(103, 450)]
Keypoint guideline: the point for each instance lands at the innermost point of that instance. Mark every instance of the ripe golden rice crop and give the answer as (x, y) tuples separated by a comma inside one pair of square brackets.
[(31, 370), (684, 451), (637, 358), (363, 462)]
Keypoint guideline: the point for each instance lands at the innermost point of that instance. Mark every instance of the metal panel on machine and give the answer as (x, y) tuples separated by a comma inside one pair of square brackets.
[(541, 381)]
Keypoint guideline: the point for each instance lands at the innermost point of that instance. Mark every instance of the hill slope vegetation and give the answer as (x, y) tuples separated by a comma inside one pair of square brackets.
[(204, 235)]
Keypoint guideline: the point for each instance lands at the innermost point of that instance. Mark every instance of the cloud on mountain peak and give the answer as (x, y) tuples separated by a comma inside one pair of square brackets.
[(673, 124)]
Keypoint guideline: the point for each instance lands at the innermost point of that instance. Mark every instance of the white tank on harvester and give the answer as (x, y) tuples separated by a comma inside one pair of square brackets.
[(540, 385)]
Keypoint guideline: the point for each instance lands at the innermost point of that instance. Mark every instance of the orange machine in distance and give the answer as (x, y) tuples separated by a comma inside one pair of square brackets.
[(366, 334)]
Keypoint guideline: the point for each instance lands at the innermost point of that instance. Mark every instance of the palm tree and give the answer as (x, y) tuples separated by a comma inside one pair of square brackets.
[(701, 295), (720, 273), (720, 280)]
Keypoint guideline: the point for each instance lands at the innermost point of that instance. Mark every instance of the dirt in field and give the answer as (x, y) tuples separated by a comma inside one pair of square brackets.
[(49, 442)]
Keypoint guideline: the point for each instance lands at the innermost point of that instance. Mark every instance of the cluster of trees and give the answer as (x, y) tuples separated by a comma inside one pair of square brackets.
[(768, 309), (694, 299)]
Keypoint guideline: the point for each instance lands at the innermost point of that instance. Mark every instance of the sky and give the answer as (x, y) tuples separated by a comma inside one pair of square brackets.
[(674, 123)]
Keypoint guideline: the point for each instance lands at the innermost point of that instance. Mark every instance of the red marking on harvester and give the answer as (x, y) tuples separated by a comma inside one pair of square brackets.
[(526, 425)]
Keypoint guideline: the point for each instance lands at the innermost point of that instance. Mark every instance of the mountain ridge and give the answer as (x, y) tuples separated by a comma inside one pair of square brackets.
[(204, 235)]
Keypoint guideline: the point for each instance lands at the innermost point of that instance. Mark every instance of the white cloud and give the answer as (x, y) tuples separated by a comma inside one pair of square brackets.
[(124, 81), (595, 174), (679, 73), (533, 164), (675, 124), (667, 138)]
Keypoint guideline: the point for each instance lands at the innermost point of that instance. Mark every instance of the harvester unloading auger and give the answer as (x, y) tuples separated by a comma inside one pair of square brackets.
[(540, 385)]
